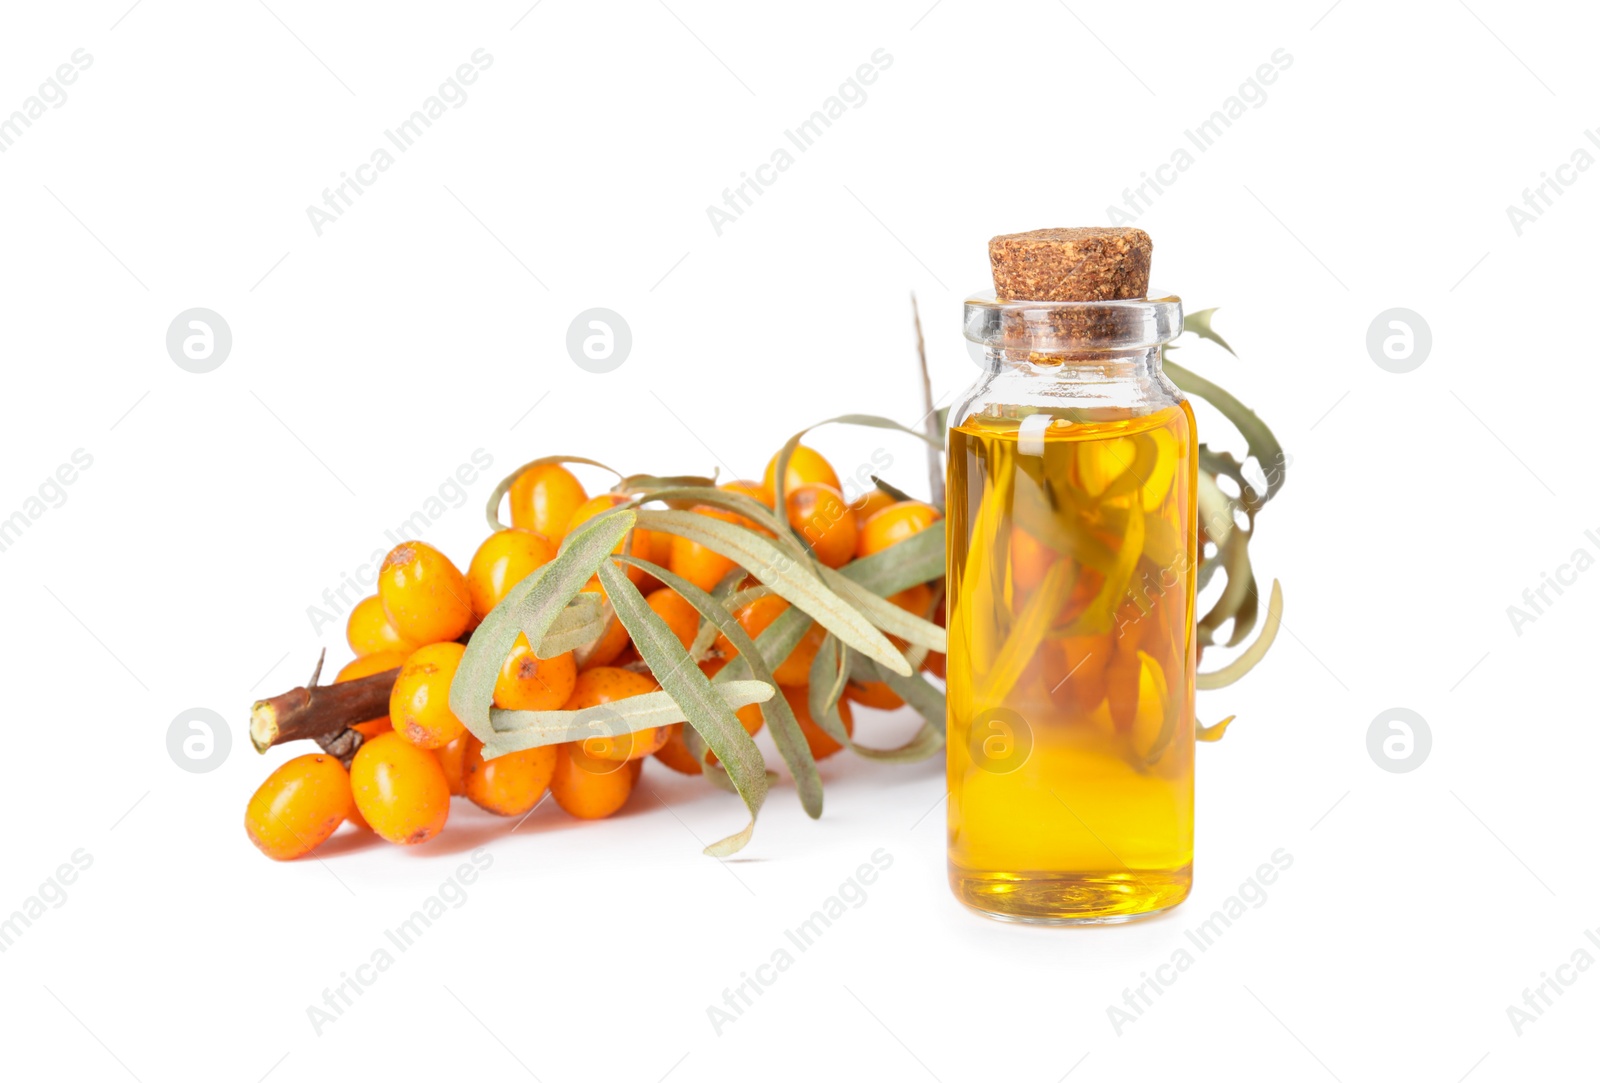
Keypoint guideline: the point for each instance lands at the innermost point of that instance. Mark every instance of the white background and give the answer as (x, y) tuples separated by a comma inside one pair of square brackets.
[(429, 321)]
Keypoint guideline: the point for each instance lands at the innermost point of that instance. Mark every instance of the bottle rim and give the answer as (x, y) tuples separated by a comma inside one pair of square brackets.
[(1072, 327)]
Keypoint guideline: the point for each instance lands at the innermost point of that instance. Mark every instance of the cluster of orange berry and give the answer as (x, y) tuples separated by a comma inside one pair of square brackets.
[(416, 758)]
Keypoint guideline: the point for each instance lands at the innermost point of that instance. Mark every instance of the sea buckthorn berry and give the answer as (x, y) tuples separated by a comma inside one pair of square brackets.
[(755, 617), (419, 705), (530, 683), (366, 666), (424, 595), (400, 789), (1030, 560), (638, 543), (1075, 671), (508, 785), (682, 617), (869, 505), (368, 630), (915, 599), (675, 753), (758, 491), (453, 759), (298, 806), (805, 466), (822, 746), (818, 512), (607, 684), (700, 565), (895, 524), (505, 558), (588, 788), (543, 498)]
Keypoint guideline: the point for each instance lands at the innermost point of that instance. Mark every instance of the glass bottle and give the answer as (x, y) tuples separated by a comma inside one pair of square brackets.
[(1071, 578)]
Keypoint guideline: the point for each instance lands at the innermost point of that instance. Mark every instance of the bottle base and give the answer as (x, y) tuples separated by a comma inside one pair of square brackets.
[(1089, 898)]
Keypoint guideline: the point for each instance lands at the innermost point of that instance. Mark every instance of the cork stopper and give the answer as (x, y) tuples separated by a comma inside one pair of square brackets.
[(1080, 263)]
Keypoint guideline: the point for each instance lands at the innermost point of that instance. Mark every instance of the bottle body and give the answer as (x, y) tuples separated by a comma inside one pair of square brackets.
[(1072, 550)]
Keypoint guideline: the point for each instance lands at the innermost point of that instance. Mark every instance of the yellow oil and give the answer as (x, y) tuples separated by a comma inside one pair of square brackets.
[(1071, 663)]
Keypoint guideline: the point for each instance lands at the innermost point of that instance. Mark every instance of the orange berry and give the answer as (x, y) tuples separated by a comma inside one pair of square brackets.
[(424, 595), (530, 683), (368, 630), (508, 785), (1030, 560), (400, 789), (822, 746), (805, 466), (700, 565), (760, 492), (366, 666), (682, 617), (675, 752), (588, 788), (298, 806), (638, 543), (894, 524), (818, 512), (869, 505), (419, 705), (505, 558), (543, 498), (755, 617), (453, 759), (608, 684)]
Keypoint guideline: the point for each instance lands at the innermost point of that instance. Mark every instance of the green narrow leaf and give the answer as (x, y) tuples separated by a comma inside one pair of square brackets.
[(503, 486), (787, 576), (739, 504), (918, 559), (1260, 440), (582, 622), (702, 705), (898, 494), (825, 686), (921, 697), (531, 608), (518, 730), (1252, 654), (1199, 323), (777, 712), (885, 614)]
